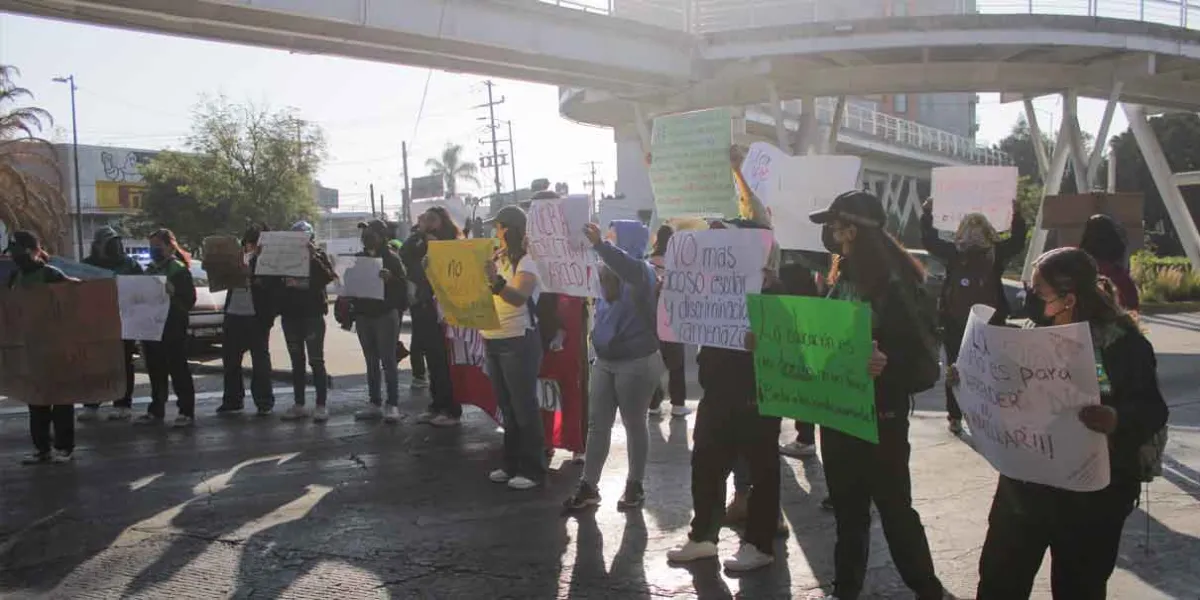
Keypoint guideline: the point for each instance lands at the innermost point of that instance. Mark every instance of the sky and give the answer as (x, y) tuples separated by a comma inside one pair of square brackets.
[(138, 90)]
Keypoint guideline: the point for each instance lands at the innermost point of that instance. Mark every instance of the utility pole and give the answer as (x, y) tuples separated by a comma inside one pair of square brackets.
[(495, 159), (79, 251), (372, 201), (382, 210), (512, 160), (592, 184), (405, 193)]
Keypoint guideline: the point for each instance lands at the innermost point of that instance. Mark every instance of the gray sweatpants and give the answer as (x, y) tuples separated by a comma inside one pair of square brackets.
[(627, 385)]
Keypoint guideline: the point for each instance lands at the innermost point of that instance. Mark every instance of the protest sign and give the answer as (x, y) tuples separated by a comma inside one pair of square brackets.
[(1021, 390), (807, 184), (760, 169), (144, 303), (960, 191), (61, 343), (223, 261), (565, 259), (455, 271), (361, 279), (707, 276), (689, 170), (810, 362), (284, 254)]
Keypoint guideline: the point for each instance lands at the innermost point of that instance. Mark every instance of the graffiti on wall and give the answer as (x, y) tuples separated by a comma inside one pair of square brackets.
[(121, 188), (901, 196), (118, 167)]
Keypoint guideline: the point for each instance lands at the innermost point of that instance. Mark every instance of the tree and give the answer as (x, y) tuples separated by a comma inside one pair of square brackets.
[(451, 168), (31, 180), (1019, 147), (244, 165), (1179, 136)]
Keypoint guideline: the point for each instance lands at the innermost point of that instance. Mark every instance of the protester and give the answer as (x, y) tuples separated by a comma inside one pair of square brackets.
[(428, 337), (168, 359), (378, 325), (728, 428), (673, 354), (249, 317), (1081, 529), (514, 353), (975, 263), (872, 267), (48, 425), (108, 253), (628, 365), (395, 244), (303, 303), (1104, 240)]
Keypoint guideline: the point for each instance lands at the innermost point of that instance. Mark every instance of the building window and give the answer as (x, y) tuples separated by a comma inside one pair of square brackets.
[(900, 103)]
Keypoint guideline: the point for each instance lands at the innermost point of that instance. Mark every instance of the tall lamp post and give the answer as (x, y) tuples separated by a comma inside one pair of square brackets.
[(70, 79)]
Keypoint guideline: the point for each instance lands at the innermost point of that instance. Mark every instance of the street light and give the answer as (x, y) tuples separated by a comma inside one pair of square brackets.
[(70, 79)]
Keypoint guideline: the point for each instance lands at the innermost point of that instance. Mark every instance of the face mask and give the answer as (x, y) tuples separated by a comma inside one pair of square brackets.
[(1035, 309), (157, 254), (830, 242)]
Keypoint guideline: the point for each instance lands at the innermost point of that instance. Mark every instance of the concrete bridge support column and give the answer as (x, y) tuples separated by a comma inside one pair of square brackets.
[(1051, 177), (1165, 181)]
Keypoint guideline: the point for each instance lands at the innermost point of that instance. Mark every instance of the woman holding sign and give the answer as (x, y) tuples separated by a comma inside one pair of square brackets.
[(167, 359), (514, 353), (1081, 529)]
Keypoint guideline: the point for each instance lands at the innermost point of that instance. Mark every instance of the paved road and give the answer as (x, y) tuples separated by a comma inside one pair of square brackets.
[(257, 508)]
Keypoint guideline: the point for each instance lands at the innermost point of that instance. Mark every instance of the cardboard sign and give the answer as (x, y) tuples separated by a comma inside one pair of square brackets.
[(455, 271), (689, 170), (1020, 391), (565, 260), (960, 191), (808, 184), (361, 279), (61, 344), (706, 278), (284, 254), (223, 261), (810, 362), (144, 304)]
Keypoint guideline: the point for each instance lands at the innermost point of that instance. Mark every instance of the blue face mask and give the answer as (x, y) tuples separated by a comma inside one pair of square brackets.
[(157, 254)]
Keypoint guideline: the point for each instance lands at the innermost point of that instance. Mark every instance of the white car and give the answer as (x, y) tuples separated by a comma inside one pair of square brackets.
[(206, 322)]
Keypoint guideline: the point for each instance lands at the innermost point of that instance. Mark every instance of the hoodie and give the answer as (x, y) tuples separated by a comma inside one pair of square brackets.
[(626, 328), (120, 263)]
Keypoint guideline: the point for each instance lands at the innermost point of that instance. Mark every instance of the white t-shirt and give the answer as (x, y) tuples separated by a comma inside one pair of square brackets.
[(514, 320)]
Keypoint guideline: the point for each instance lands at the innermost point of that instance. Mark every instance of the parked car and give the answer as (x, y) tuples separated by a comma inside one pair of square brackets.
[(206, 322), (935, 278)]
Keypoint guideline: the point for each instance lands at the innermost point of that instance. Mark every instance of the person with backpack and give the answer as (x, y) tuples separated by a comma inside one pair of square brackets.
[(377, 323), (303, 304), (975, 263), (1081, 529), (628, 363), (249, 317), (48, 425), (108, 252), (167, 360), (870, 266)]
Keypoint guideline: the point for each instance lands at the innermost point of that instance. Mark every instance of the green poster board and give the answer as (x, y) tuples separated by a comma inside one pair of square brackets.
[(810, 362), (689, 169)]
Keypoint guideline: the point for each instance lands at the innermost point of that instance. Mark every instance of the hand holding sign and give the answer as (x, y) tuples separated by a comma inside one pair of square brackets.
[(961, 191), (878, 360), (1099, 418), (459, 272)]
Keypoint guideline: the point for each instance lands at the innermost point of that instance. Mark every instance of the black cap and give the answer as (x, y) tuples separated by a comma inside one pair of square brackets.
[(857, 207), (378, 226), (25, 240), (509, 216)]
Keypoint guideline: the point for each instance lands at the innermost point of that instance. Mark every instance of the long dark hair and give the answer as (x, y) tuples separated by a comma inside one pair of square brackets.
[(1074, 271), (1103, 239), (661, 239), (514, 245), (167, 237), (448, 230), (877, 256)]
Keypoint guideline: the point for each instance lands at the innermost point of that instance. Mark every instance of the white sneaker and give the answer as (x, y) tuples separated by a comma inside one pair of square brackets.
[(182, 422), (499, 476), (391, 414), (680, 411), (38, 458), (444, 421), (692, 551), (426, 417), (147, 419), (61, 457), (577, 458), (88, 415), (655, 411), (294, 413), (120, 414), (320, 415), (419, 383), (796, 449), (521, 484), (748, 558), (370, 413)]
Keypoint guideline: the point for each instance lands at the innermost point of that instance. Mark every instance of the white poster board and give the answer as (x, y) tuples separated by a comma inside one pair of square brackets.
[(960, 191), (284, 254), (361, 279), (761, 168), (566, 262), (1020, 391), (706, 278), (143, 304), (791, 187)]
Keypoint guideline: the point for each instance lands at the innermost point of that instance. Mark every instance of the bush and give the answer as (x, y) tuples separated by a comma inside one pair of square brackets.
[(1164, 278)]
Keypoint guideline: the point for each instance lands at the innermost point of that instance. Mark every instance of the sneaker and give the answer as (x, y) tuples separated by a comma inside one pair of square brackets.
[(655, 411), (577, 458), (229, 409), (692, 551), (444, 421), (120, 414), (294, 413), (183, 421), (391, 414), (89, 414), (38, 458), (419, 383), (370, 413), (499, 476), (521, 484), (955, 426), (748, 558), (680, 411), (263, 411), (585, 496), (320, 415), (739, 507), (633, 497), (148, 419), (427, 417), (61, 457), (796, 449)]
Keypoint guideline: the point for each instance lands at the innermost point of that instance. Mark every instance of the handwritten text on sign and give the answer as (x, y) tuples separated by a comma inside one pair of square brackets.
[(706, 279), (284, 254), (689, 170), (960, 191), (1021, 390), (144, 305), (565, 260), (810, 362), (455, 271)]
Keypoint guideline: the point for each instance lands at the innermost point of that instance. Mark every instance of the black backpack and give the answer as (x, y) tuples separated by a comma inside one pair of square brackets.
[(925, 365)]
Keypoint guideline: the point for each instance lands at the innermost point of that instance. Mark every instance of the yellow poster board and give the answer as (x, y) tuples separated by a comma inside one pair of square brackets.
[(455, 271), (119, 196)]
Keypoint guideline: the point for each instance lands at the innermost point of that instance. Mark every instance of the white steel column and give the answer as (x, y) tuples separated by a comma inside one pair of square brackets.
[(1093, 169), (781, 134), (835, 126), (1035, 134), (808, 130), (1075, 139), (1050, 187), (1164, 180)]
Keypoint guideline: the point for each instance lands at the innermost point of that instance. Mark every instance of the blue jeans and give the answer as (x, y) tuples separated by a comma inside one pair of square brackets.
[(513, 365), (377, 335)]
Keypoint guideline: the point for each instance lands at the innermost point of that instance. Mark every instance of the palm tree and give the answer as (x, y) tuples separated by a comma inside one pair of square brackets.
[(31, 180), (452, 168)]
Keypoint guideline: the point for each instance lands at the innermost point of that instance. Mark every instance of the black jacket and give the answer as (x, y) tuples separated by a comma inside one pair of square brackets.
[(1141, 411), (412, 254), (947, 253), (727, 376), (395, 290), (121, 265), (305, 297), (264, 294)]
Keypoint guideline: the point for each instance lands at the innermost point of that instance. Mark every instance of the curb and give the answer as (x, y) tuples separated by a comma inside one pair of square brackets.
[(1170, 308)]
